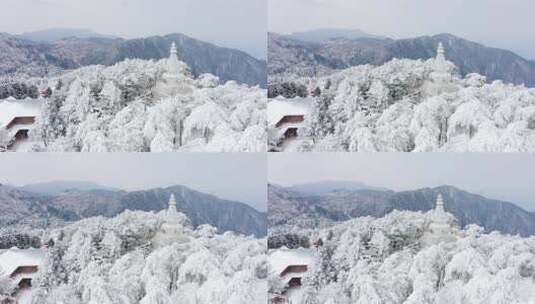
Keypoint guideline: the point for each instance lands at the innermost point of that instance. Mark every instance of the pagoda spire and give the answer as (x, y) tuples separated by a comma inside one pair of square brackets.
[(173, 52), (440, 52), (172, 204), (439, 204)]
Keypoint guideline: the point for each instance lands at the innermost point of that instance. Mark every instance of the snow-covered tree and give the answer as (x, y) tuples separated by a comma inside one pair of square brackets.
[(4, 139), (7, 287), (123, 260), (387, 260), (137, 105), (415, 105)]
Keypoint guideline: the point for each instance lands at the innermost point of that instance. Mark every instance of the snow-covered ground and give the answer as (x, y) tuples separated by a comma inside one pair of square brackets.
[(25, 296), (295, 144), (26, 145)]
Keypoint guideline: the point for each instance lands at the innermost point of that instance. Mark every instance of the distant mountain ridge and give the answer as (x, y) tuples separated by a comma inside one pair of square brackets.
[(54, 34), (287, 55), (26, 57), (326, 34), (289, 208), (19, 207), (57, 187), (324, 187)]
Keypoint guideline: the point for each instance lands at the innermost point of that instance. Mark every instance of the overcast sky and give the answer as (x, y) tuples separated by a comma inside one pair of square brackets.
[(500, 176), (238, 24), (233, 176), (505, 24)]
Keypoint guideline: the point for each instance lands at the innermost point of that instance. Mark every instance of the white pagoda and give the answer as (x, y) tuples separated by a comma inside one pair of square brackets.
[(441, 77), (175, 67), (440, 53), (173, 226), (176, 79), (441, 225), (442, 68), (173, 53)]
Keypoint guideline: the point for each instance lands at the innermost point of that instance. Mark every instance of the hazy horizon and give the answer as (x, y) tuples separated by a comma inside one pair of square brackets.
[(238, 24), (232, 176), (494, 23), (498, 176)]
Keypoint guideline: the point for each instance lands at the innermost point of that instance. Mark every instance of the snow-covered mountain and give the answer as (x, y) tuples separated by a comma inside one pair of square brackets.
[(26, 57), (146, 258), (325, 34), (288, 211), (324, 187), (290, 56), (413, 105), (143, 105), (25, 209), (388, 260), (291, 211)]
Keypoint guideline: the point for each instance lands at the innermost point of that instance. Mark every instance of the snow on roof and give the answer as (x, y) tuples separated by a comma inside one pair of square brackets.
[(13, 130), (279, 107), (281, 258), (13, 258), (22, 276), (11, 108)]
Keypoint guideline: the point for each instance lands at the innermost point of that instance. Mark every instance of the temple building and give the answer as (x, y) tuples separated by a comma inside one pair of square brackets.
[(21, 267), (441, 225), (173, 226), (285, 121), (292, 267), (17, 120)]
